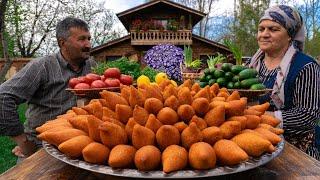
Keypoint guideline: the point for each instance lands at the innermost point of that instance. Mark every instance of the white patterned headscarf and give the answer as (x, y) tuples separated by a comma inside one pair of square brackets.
[(292, 21)]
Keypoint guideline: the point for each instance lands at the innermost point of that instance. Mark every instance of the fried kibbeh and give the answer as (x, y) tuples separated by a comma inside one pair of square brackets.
[(216, 116), (212, 134), (169, 91), (93, 128), (94, 108), (167, 116), (261, 107), (153, 105), (277, 131), (184, 96), (80, 122), (112, 134), (67, 116), (252, 121), (187, 83), (47, 126), (236, 107), (272, 137), (79, 111), (125, 92), (58, 137), (185, 112), (136, 98), (123, 113), (229, 153), (163, 134), (122, 156), (164, 84), (180, 126), (191, 135), (153, 123), (214, 88), (142, 136), (223, 94), (147, 158), (129, 127), (230, 129), (203, 93), (96, 153), (253, 144), (195, 87), (269, 119), (235, 95), (241, 119), (172, 102), (114, 121), (108, 113), (252, 112), (74, 146), (174, 158), (56, 128), (214, 104), (202, 156), (140, 115), (201, 123), (152, 92), (113, 99), (200, 106), (218, 99)]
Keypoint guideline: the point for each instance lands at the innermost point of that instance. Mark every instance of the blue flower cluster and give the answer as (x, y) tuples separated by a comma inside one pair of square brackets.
[(166, 58)]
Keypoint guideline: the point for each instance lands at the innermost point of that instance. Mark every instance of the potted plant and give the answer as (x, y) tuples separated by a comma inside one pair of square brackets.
[(237, 54), (189, 65), (212, 61)]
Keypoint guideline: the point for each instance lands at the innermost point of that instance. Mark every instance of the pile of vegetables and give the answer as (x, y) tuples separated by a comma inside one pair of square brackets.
[(166, 58)]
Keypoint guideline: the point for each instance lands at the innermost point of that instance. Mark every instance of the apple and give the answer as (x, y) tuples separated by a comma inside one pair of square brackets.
[(98, 84), (73, 82), (112, 73), (82, 86), (111, 82), (126, 79)]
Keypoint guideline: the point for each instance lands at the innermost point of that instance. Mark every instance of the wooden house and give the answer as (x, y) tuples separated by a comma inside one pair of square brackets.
[(156, 22)]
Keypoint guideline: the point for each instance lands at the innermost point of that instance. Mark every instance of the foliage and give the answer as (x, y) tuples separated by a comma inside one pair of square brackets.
[(126, 67), (195, 64), (212, 61), (166, 58), (235, 51), (187, 53)]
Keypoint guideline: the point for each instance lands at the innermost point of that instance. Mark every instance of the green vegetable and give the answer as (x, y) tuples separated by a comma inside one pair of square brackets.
[(203, 84), (235, 78), (237, 85), (209, 77), (202, 78), (237, 54), (226, 67), (222, 82), (248, 82), (212, 61), (228, 76), (248, 73), (235, 69), (212, 81), (218, 73), (230, 85), (258, 86)]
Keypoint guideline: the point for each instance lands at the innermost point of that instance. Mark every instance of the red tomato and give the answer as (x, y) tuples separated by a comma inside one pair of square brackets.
[(82, 86), (98, 84), (73, 82), (102, 78), (91, 77), (82, 79), (112, 73), (110, 82), (126, 79)]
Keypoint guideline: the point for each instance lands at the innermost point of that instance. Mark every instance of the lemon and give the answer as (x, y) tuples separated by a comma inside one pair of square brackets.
[(174, 83), (160, 77), (143, 80)]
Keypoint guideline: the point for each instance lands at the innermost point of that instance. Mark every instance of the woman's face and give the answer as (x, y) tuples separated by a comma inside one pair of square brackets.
[(272, 37)]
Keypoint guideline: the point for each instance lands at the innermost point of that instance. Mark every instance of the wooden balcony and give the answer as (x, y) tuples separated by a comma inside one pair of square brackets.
[(154, 37)]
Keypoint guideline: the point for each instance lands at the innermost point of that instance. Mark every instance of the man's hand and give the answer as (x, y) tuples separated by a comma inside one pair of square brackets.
[(24, 147)]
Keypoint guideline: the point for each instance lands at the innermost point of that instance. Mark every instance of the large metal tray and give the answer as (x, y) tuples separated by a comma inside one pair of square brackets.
[(183, 174)]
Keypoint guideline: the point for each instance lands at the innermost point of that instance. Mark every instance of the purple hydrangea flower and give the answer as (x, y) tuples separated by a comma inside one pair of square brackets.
[(166, 58)]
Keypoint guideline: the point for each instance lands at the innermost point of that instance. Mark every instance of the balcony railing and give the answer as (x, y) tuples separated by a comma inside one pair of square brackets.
[(153, 37)]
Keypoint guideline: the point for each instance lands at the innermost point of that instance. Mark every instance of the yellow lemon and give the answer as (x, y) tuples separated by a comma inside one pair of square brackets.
[(143, 80), (160, 77), (174, 83)]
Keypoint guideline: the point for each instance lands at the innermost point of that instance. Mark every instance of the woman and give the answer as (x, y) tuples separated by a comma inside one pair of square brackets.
[(293, 76)]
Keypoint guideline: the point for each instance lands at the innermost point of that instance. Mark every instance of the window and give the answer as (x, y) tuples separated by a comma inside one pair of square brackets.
[(112, 58)]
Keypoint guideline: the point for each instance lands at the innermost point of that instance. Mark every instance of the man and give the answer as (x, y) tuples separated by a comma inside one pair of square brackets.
[(42, 83)]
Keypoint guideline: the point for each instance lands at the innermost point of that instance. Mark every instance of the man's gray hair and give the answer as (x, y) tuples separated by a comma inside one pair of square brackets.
[(63, 27)]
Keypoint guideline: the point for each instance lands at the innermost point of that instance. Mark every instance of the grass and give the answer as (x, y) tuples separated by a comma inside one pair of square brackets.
[(7, 159)]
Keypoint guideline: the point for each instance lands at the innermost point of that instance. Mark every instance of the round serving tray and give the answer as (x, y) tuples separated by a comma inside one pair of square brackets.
[(252, 95), (91, 93), (183, 174)]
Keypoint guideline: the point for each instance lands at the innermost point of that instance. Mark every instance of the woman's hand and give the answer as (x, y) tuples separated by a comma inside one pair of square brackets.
[(24, 147)]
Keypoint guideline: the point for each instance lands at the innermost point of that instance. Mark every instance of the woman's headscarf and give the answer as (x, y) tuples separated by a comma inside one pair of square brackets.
[(292, 21)]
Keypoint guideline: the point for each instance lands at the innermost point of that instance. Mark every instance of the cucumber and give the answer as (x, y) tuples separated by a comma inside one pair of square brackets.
[(202, 78), (222, 82), (237, 85), (248, 82), (228, 76), (235, 78), (258, 86), (226, 67), (209, 77), (203, 84), (230, 85), (218, 73), (235, 69), (248, 73), (206, 71), (211, 82)]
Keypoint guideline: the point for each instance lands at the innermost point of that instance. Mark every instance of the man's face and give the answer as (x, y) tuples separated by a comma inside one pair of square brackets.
[(77, 46)]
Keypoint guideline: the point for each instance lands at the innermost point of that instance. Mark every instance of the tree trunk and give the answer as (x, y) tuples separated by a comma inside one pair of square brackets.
[(8, 61)]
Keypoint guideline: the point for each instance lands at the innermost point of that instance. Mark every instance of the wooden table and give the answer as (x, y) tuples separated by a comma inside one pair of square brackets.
[(290, 164)]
